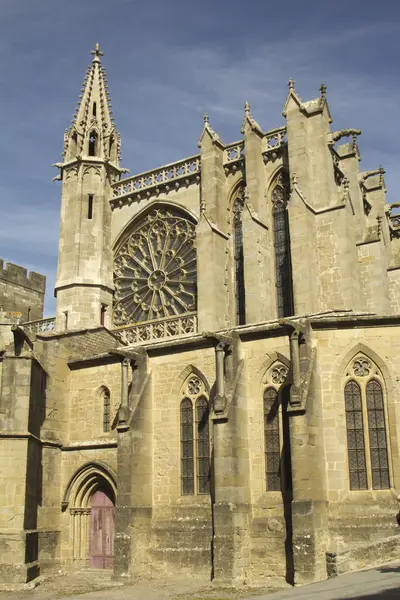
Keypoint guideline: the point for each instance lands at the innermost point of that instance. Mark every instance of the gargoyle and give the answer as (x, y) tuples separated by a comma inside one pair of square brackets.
[(338, 135)]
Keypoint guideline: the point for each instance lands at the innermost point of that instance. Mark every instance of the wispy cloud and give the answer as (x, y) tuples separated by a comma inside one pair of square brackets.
[(168, 63)]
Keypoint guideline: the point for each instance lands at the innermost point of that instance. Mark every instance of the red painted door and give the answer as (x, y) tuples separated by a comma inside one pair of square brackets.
[(101, 531)]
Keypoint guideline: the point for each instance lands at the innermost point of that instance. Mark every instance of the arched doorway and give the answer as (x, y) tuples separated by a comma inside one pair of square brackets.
[(90, 500), (101, 546)]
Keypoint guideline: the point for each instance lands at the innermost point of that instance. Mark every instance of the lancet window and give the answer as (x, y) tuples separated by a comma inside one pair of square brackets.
[(276, 430), (237, 210), (155, 269), (93, 140), (283, 268), (195, 438), (105, 395), (366, 426)]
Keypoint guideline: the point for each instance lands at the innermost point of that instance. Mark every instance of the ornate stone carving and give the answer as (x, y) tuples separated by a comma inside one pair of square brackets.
[(279, 374), (238, 204), (195, 386), (361, 367), (164, 329), (39, 326), (164, 179), (155, 269), (92, 170)]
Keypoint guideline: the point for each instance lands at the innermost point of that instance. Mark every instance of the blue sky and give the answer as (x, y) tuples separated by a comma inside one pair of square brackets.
[(168, 62)]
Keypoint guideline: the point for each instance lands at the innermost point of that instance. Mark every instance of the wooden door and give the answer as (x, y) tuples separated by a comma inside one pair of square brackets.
[(101, 531)]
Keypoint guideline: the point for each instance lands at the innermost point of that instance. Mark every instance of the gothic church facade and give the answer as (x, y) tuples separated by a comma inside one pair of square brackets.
[(218, 394)]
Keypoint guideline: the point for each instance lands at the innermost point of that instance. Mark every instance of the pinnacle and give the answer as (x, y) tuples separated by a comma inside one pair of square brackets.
[(96, 53), (93, 112)]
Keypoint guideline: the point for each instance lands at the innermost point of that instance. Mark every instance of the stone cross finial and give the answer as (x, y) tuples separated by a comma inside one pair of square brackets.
[(96, 53), (323, 89), (291, 85), (206, 118), (247, 108)]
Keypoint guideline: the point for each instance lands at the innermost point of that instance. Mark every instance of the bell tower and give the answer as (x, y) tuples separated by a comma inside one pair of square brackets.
[(84, 284)]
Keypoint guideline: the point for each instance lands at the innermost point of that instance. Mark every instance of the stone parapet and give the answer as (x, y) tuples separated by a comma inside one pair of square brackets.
[(19, 276)]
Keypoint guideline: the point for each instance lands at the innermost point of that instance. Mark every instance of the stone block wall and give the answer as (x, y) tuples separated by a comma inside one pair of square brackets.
[(21, 292)]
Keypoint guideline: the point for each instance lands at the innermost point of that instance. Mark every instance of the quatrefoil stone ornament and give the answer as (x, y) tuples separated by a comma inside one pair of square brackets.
[(361, 367), (279, 374), (155, 269), (194, 386)]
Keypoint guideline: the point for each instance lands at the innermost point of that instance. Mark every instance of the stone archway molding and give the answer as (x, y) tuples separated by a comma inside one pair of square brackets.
[(83, 483)]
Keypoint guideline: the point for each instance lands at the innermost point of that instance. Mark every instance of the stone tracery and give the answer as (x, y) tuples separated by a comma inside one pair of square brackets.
[(155, 269)]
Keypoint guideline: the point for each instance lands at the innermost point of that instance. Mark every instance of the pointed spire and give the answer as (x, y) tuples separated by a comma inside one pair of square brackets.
[(93, 114), (249, 119)]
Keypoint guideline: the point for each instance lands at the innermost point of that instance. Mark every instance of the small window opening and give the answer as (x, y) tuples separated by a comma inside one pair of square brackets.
[(103, 311), (106, 411), (94, 109), (93, 143), (29, 314), (66, 320), (90, 207)]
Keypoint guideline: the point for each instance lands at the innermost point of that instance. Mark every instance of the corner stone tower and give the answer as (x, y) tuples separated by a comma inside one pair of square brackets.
[(84, 284)]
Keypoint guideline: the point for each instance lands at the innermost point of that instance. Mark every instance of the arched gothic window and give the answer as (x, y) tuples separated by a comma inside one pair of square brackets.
[(355, 436), (155, 272), (272, 440), (187, 443), (195, 438), (93, 139), (276, 430), (367, 446), (283, 268), (105, 394), (237, 209)]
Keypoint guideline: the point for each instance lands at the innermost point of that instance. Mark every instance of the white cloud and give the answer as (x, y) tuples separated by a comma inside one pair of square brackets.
[(161, 88)]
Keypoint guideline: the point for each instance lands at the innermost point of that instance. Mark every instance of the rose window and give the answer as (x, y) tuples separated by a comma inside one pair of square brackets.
[(155, 269)]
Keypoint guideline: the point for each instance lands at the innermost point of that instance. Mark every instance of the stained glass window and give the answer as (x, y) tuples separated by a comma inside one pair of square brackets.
[(283, 269), (272, 440), (239, 260), (377, 436), (106, 410), (155, 269), (203, 446), (195, 438), (355, 436), (187, 443)]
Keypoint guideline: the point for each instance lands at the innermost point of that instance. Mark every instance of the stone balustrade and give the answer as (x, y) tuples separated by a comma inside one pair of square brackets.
[(233, 152), (161, 329), (164, 179), (39, 326), (274, 139)]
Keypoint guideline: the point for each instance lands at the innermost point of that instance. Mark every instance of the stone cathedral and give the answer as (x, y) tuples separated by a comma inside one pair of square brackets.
[(218, 393)]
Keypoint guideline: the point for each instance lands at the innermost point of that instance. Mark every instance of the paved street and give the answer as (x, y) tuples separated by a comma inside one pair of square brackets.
[(382, 583)]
